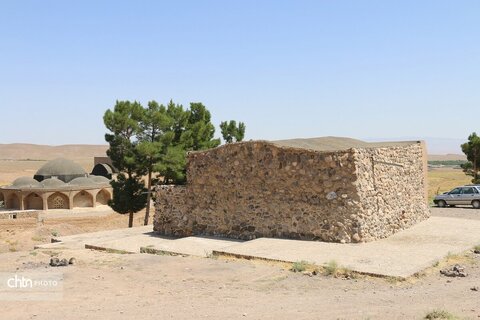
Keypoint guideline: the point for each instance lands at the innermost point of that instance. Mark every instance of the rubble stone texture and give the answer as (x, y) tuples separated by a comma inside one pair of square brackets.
[(327, 189)]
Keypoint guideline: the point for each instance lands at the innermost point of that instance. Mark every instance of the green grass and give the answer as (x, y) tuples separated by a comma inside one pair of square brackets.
[(447, 162), (331, 268), (299, 266)]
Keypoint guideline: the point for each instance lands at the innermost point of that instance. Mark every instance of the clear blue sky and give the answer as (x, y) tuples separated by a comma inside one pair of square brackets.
[(287, 69)]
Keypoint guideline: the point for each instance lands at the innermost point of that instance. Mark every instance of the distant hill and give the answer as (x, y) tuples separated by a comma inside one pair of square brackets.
[(435, 145), (23, 151)]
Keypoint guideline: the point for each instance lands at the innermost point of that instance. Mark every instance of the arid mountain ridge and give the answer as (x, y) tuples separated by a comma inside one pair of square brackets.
[(24, 151)]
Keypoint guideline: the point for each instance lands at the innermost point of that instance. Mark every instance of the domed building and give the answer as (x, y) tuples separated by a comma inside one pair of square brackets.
[(62, 169), (59, 184)]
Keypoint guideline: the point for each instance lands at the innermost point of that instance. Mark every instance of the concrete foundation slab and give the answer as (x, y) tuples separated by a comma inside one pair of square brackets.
[(130, 244), (131, 240), (79, 241), (401, 255), (193, 246)]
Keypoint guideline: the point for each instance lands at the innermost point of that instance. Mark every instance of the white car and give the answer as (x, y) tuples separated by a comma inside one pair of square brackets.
[(464, 195)]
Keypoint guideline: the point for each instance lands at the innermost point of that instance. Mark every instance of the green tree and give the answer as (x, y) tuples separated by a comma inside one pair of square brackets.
[(152, 126), (472, 150), (150, 141), (199, 130), (231, 131), (123, 123), (190, 130), (129, 195)]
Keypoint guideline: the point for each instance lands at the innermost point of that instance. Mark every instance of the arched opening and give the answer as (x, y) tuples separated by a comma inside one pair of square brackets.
[(33, 201), (57, 201), (13, 202), (103, 170), (83, 199), (2, 200), (103, 196)]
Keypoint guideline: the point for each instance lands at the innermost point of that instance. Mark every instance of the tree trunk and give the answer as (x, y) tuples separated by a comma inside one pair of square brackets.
[(475, 169), (130, 219), (149, 197)]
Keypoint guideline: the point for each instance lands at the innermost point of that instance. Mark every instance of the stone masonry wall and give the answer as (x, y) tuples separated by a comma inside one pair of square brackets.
[(256, 189), (392, 188)]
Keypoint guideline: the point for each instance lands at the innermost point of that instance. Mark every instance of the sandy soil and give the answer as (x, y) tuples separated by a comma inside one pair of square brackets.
[(142, 286), (115, 286), (23, 234)]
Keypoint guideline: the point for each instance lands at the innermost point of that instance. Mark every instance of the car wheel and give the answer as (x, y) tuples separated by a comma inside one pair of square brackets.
[(476, 204), (442, 204)]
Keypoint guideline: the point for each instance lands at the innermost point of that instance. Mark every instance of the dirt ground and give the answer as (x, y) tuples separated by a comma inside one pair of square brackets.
[(142, 286), (24, 234)]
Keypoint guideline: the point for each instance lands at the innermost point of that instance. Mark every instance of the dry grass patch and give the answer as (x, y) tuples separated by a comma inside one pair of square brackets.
[(445, 179), (440, 315), (451, 259), (331, 268)]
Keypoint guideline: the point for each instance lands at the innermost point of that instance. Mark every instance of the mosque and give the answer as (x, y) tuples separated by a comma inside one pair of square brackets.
[(59, 184)]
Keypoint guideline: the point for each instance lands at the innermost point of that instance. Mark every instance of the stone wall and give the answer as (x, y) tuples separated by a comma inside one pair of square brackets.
[(257, 189), (19, 214), (392, 188)]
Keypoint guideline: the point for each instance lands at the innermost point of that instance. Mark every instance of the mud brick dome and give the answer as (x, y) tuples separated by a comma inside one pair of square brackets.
[(58, 184), (62, 169)]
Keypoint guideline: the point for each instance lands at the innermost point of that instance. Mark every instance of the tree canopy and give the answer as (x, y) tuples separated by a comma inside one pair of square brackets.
[(123, 124), (153, 141), (230, 131)]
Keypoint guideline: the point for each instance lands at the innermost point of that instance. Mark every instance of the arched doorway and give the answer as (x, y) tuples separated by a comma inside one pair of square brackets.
[(103, 170), (83, 199), (13, 202), (33, 201), (57, 201), (103, 196)]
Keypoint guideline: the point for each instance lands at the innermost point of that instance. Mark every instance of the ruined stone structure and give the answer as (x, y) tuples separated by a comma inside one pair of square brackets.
[(59, 184), (327, 189)]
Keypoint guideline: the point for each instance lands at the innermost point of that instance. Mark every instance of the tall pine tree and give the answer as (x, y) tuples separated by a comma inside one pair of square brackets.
[(153, 142), (128, 190)]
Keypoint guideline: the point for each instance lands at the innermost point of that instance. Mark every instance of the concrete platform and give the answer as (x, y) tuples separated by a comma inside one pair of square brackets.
[(192, 246), (131, 240), (129, 244), (401, 255), (79, 241)]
